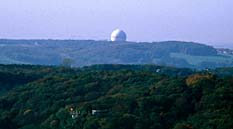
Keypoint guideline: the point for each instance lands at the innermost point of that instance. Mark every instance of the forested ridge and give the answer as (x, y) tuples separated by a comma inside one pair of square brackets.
[(115, 97), (80, 53)]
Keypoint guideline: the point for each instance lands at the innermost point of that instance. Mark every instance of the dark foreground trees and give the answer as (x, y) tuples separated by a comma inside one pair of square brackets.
[(123, 99)]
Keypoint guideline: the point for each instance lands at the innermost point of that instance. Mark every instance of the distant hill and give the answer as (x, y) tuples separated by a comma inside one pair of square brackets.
[(88, 52)]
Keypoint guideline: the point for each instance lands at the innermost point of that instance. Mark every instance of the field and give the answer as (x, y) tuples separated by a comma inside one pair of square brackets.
[(196, 60)]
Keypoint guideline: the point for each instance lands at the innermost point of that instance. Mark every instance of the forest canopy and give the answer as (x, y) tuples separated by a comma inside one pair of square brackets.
[(115, 96)]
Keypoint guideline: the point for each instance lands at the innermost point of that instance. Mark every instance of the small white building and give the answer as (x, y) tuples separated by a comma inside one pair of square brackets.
[(74, 114), (98, 112)]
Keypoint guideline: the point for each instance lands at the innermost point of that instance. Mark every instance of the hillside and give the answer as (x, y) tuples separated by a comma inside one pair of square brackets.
[(16, 75), (126, 96), (85, 53)]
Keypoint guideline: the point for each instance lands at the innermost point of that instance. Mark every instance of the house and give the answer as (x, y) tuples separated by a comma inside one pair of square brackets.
[(98, 112), (74, 114)]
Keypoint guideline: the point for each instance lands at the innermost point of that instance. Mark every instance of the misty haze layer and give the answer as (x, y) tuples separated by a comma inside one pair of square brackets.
[(207, 21)]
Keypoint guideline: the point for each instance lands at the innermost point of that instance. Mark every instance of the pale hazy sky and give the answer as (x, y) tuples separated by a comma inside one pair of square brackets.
[(206, 21)]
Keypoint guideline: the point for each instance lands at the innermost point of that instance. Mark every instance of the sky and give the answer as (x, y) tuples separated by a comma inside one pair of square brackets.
[(204, 21)]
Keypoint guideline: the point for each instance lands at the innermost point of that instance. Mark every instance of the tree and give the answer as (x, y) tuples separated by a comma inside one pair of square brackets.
[(67, 62)]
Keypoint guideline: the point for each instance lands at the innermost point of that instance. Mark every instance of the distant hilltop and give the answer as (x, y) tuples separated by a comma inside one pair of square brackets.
[(78, 53)]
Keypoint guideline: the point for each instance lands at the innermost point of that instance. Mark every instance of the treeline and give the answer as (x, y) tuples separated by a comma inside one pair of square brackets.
[(88, 52), (125, 97), (16, 75)]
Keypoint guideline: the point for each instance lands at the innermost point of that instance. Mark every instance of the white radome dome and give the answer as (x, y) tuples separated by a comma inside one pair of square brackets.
[(118, 35)]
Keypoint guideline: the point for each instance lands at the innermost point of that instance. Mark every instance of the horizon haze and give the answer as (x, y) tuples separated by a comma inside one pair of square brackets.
[(208, 21)]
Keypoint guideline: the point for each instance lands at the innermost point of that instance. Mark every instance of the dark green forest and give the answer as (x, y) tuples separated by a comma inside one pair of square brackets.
[(115, 97)]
